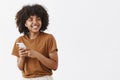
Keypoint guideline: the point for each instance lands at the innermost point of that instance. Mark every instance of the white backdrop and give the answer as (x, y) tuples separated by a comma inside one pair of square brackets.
[(87, 34)]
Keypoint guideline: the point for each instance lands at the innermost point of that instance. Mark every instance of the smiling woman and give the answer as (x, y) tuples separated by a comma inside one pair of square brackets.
[(33, 23), (39, 57)]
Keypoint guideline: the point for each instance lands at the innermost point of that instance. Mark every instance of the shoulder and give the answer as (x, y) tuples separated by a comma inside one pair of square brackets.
[(20, 38), (47, 35)]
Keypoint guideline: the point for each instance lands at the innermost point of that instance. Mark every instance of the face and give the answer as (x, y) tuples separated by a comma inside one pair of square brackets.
[(33, 23)]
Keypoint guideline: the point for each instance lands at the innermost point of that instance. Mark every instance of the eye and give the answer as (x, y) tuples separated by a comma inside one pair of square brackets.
[(29, 19), (38, 18)]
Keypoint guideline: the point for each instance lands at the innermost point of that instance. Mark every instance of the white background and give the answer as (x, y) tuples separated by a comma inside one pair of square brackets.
[(87, 34)]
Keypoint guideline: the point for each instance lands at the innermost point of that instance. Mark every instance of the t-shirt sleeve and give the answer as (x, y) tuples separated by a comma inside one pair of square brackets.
[(52, 46), (15, 49)]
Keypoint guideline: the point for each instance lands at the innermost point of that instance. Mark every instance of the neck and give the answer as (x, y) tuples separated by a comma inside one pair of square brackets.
[(33, 35)]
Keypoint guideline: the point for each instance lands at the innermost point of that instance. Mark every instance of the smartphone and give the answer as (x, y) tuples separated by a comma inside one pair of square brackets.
[(21, 45)]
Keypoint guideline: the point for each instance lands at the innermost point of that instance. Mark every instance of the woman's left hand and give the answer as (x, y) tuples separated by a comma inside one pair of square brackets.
[(32, 53)]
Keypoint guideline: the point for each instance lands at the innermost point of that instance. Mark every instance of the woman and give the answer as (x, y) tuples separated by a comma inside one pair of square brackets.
[(39, 56)]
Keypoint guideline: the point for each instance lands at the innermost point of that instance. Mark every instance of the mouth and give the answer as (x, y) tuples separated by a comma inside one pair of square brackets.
[(35, 27)]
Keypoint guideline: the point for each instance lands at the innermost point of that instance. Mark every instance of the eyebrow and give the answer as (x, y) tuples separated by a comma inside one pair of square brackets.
[(36, 17)]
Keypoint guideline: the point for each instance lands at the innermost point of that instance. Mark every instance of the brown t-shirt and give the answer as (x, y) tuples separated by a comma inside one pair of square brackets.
[(45, 43)]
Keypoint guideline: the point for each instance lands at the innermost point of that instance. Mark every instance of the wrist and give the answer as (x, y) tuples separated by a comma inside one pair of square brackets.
[(22, 57)]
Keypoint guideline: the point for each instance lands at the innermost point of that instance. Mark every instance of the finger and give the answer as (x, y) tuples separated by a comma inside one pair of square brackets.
[(23, 54), (21, 50)]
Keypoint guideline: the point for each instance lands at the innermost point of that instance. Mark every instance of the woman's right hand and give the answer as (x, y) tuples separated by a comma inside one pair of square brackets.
[(23, 52)]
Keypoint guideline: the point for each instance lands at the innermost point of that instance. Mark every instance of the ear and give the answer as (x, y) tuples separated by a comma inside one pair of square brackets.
[(25, 25)]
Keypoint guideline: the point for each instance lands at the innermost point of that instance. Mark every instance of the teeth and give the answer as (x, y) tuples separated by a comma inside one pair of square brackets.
[(34, 26)]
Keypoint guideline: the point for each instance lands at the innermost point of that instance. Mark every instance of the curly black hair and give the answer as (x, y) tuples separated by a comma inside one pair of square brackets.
[(30, 10)]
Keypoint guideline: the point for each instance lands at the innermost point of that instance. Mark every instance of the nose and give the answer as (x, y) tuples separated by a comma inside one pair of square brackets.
[(34, 21)]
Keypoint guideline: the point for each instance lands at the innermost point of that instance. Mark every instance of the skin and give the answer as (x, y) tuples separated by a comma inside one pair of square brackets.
[(33, 23)]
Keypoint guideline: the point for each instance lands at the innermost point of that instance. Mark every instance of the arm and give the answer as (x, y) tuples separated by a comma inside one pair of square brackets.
[(20, 63), (51, 62), (21, 59)]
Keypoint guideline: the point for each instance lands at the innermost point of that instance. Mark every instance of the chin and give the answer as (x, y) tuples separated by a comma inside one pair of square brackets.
[(35, 31)]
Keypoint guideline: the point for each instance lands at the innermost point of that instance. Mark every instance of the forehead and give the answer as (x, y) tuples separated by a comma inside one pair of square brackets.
[(34, 16)]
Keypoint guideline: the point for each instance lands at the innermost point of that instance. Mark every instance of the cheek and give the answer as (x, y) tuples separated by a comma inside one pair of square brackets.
[(27, 24), (40, 23)]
